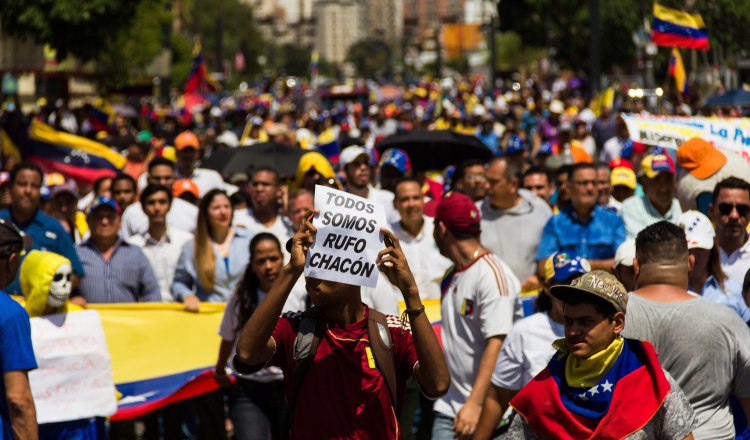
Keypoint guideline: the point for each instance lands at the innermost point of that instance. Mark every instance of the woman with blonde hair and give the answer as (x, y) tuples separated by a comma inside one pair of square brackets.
[(211, 266), (209, 269)]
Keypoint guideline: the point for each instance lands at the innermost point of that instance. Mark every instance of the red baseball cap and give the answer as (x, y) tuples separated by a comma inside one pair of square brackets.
[(459, 214), (620, 162)]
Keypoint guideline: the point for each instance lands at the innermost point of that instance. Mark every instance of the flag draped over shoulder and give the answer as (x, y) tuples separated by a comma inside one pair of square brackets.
[(623, 401), (74, 156), (677, 70), (672, 27)]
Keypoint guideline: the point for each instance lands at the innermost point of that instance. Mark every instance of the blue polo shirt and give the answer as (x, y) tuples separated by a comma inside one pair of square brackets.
[(16, 351), (597, 239), (47, 235)]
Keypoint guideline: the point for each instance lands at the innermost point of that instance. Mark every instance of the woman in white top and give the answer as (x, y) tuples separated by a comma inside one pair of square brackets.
[(256, 403)]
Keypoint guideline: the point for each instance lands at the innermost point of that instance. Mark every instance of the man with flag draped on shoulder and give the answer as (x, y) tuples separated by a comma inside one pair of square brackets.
[(600, 385)]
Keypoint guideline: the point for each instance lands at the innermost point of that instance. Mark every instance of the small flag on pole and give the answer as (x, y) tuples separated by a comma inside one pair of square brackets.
[(677, 70), (314, 65)]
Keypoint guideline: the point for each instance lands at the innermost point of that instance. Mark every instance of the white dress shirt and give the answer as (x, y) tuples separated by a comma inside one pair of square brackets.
[(281, 227), (737, 264), (425, 261), (162, 255), (205, 179), (182, 215)]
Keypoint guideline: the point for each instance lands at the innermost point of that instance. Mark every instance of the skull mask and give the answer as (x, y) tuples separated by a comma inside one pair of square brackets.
[(59, 289)]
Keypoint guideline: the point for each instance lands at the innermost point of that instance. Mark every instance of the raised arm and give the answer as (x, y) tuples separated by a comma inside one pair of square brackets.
[(432, 370), (255, 345)]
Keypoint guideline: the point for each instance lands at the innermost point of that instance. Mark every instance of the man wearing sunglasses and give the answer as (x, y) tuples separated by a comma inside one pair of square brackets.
[(730, 212)]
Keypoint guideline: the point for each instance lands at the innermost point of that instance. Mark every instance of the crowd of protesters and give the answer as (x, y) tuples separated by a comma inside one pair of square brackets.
[(572, 239)]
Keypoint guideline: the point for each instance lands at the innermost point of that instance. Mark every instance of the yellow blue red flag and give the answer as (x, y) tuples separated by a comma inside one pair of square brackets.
[(676, 28), (76, 157), (677, 70)]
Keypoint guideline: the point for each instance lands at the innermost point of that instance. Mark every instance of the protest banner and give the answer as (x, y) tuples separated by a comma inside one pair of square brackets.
[(74, 378), (731, 135), (161, 354), (348, 240)]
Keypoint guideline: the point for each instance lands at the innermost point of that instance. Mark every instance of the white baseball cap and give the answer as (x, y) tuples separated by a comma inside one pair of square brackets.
[(556, 106), (350, 154), (625, 253), (698, 230)]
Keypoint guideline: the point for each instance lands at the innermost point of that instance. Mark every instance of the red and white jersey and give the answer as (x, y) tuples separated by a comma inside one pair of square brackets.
[(344, 396), (478, 302)]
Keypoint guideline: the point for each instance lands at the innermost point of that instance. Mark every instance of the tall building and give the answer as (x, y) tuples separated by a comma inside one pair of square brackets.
[(422, 17), (338, 25), (284, 21), (385, 19)]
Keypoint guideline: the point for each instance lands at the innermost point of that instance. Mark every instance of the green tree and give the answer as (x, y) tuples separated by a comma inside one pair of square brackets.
[(511, 52), (564, 26), (371, 58), (128, 52), (73, 27), (230, 20)]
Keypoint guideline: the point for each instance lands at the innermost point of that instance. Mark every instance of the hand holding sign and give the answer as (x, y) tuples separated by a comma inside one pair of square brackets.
[(347, 238), (302, 240), (392, 262)]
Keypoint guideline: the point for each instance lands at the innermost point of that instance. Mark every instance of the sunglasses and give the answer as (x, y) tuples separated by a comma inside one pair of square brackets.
[(727, 208)]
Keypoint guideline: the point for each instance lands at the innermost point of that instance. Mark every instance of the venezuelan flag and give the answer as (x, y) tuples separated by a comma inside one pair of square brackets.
[(328, 145), (314, 58), (9, 147), (160, 353), (74, 156), (677, 70), (100, 116), (672, 27), (198, 82)]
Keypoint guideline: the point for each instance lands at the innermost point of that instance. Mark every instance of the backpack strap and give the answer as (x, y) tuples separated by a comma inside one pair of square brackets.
[(305, 345), (382, 350)]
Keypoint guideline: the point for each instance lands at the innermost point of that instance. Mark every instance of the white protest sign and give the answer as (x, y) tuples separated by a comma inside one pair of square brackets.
[(348, 240), (727, 134), (74, 378)]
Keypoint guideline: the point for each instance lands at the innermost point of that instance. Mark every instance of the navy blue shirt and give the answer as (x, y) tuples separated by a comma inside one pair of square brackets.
[(16, 351), (47, 235), (597, 239)]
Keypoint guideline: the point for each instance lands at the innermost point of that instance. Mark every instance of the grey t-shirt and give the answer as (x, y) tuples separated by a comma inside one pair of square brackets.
[(705, 346), (673, 421), (514, 234)]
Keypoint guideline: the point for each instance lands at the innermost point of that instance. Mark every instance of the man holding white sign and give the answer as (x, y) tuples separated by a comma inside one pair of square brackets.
[(349, 231), (348, 225), (342, 384)]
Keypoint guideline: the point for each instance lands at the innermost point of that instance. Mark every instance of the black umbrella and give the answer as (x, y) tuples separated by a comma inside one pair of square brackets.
[(435, 150), (737, 97), (282, 158)]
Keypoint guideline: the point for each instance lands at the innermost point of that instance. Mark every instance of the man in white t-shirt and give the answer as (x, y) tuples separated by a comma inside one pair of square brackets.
[(414, 230), (187, 149), (264, 216), (182, 215), (357, 165), (478, 300), (528, 347)]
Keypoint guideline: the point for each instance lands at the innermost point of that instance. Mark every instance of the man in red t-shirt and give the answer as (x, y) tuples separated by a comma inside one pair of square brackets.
[(343, 394)]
